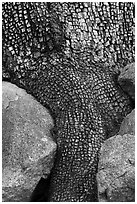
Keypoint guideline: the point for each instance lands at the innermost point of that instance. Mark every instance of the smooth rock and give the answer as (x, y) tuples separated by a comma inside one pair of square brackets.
[(27, 147), (116, 169)]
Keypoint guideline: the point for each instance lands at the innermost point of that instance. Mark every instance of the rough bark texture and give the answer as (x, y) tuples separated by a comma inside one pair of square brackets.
[(62, 73)]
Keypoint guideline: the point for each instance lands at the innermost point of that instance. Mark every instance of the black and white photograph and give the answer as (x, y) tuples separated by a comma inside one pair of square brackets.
[(68, 101)]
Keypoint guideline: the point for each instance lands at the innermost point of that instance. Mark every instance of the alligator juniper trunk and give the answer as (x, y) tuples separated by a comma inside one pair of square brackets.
[(85, 100)]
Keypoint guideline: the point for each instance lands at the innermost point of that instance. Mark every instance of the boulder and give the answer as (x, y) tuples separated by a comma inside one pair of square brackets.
[(128, 124), (27, 146), (116, 169), (127, 79)]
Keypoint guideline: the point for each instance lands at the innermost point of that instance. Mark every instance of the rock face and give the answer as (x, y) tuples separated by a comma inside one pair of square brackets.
[(116, 170), (27, 147)]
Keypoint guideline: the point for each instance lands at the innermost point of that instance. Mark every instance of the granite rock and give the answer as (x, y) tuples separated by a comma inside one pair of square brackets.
[(116, 168), (27, 146)]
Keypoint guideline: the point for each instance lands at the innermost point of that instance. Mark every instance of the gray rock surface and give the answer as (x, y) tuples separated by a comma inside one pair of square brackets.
[(128, 124), (27, 148), (127, 79), (116, 169)]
